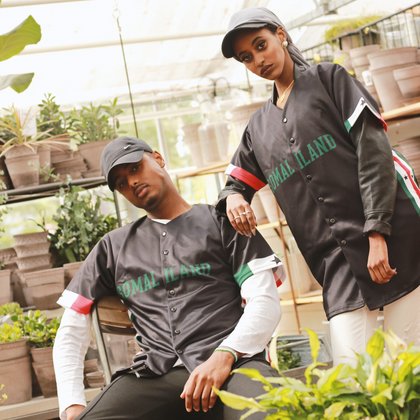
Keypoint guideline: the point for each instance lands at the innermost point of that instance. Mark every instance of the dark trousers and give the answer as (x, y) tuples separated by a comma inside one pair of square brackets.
[(132, 398)]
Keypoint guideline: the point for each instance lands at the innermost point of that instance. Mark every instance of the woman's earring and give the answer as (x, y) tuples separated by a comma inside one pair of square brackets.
[(284, 44)]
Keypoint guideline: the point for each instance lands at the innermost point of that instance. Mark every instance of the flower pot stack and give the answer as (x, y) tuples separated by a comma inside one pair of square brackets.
[(65, 161), (91, 153), (93, 377), (44, 370), (383, 63), (22, 164), (360, 64), (15, 371), (32, 256)]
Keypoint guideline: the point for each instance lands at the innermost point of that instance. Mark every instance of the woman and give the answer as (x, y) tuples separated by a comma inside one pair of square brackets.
[(321, 145)]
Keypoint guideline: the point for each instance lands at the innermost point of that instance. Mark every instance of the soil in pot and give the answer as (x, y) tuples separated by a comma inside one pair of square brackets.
[(23, 170), (5, 294), (45, 374), (92, 152)]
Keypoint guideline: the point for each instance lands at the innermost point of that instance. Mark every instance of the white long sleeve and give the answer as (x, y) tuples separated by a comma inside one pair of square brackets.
[(69, 352), (261, 315)]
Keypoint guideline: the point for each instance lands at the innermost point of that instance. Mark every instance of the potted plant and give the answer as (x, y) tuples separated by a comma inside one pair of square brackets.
[(19, 148), (96, 126), (15, 364), (4, 274), (80, 225), (383, 386), (58, 126), (41, 336)]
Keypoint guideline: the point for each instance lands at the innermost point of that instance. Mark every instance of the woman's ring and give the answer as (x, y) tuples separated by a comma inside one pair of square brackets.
[(236, 217)]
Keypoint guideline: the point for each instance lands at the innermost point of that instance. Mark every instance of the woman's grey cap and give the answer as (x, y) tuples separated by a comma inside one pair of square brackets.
[(122, 150), (253, 17), (258, 17)]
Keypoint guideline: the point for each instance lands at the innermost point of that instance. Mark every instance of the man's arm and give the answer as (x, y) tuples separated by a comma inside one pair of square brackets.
[(252, 333), (70, 347)]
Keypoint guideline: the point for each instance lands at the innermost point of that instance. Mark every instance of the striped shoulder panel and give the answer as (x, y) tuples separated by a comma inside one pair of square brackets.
[(407, 180), (78, 303), (260, 264), (245, 176), (358, 110)]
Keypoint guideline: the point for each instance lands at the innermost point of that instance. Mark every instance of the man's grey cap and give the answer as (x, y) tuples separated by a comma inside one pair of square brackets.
[(122, 150), (253, 17)]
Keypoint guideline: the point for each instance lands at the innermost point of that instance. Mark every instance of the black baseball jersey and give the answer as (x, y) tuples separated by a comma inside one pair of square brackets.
[(306, 155), (180, 281)]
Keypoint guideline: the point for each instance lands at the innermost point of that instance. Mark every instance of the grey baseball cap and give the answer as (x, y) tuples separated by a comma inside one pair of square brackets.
[(122, 150), (253, 18)]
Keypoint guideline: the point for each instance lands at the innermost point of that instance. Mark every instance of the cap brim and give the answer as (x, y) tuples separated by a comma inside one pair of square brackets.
[(227, 48), (130, 158)]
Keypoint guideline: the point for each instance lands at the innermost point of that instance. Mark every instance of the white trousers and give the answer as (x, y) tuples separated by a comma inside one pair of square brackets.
[(351, 331)]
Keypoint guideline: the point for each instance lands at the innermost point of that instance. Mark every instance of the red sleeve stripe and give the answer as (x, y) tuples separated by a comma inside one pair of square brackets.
[(407, 169), (278, 280), (78, 303), (245, 176)]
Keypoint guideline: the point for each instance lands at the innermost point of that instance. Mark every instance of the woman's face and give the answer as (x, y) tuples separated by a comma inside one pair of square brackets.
[(261, 51)]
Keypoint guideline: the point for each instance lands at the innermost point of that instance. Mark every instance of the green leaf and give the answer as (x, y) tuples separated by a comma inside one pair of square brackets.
[(12, 43), (401, 391), (314, 341), (18, 82), (334, 410), (236, 401), (290, 383), (375, 346), (364, 367)]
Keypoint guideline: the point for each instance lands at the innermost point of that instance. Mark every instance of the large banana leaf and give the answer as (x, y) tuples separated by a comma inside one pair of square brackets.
[(18, 82), (12, 43)]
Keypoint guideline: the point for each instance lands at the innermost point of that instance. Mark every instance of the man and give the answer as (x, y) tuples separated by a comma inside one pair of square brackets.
[(182, 271)]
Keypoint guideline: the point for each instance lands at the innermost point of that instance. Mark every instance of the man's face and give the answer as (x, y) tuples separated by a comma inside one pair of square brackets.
[(141, 183)]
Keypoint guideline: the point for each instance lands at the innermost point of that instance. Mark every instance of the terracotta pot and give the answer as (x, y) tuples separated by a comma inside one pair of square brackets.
[(31, 250), (269, 204), (5, 287), (24, 286), (392, 57), (60, 150), (343, 57), (70, 271), (41, 354), (46, 287), (91, 173), (91, 366), (21, 150), (95, 379), (410, 148), (242, 114), (5, 177), (214, 141), (73, 166), (92, 152), (259, 211), (13, 350), (31, 238), (192, 140), (408, 80), (27, 263), (21, 173), (358, 56), (16, 377), (45, 374), (372, 90), (387, 88), (7, 255), (44, 152)]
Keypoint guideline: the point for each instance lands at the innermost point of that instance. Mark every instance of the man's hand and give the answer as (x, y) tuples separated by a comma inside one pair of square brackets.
[(241, 215), (213, 372), (378, 263), (73, 411)]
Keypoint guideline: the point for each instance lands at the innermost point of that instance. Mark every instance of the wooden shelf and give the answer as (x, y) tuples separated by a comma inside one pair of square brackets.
[(211, 169), (303, 300), (38, 408), (404, 112)]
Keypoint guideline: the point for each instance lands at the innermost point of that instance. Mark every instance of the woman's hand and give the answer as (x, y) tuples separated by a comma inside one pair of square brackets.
[(241, 215), (73, 411), (378, 263)]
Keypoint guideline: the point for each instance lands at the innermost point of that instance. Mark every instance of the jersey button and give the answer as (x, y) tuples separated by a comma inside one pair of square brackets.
[(343, 242), (332, 221), (166, 252), (308, 177), (173, 309), (321, 199), (177, 332), (292, 140), (285, 120), (171, 292), (164, 233), (179, 351)]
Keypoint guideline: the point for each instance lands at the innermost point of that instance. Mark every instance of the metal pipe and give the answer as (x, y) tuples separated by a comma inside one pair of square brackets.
[(116, 42), (14, 3)]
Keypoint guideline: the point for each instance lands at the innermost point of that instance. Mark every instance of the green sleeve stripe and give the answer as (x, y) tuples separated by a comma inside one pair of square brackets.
[(242, 274), (410, 196), (347, 125)]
